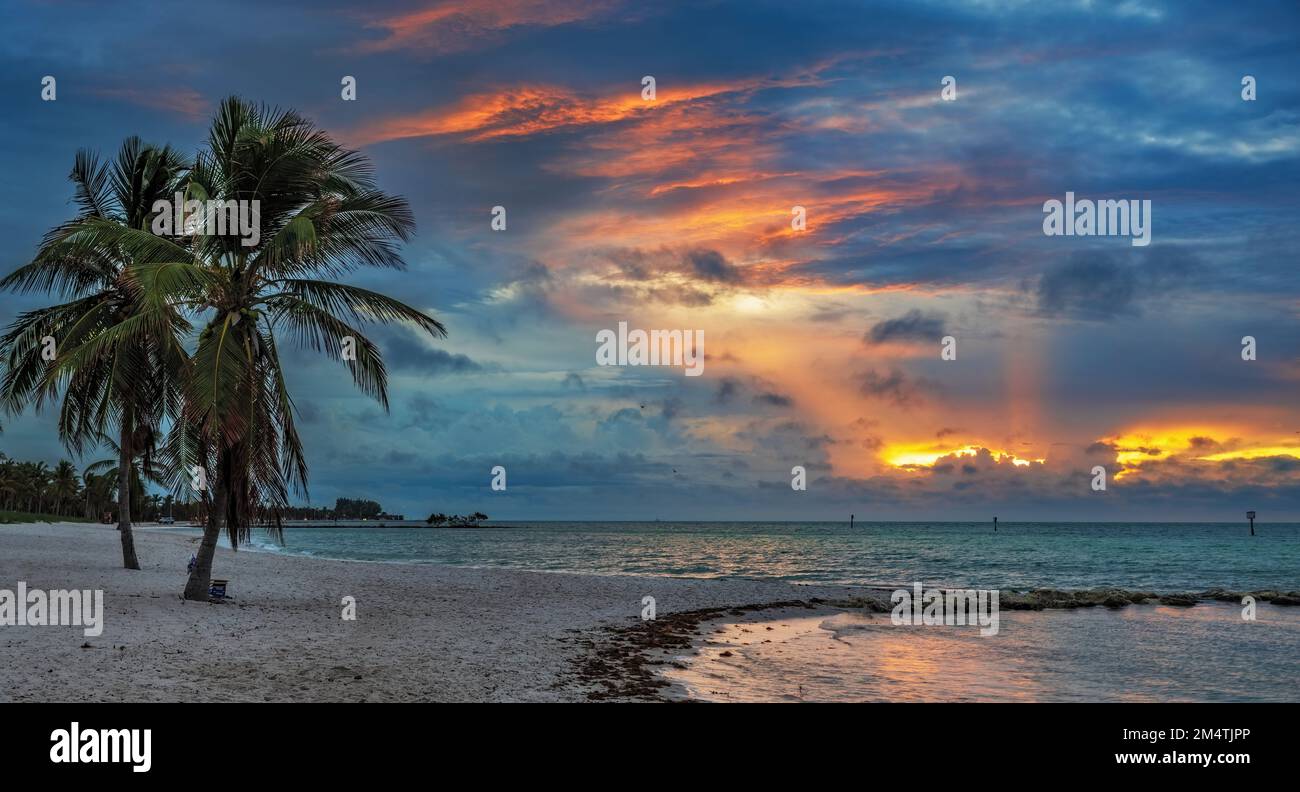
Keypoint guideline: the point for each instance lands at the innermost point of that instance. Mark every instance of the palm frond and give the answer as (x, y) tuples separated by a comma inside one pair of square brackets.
[(317, 329), (362, 305)]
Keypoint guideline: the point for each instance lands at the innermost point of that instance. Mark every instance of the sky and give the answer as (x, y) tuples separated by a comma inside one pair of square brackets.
[(823, 346)]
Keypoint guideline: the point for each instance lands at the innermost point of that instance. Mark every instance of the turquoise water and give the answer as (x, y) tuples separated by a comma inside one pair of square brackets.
[(1155, 556)]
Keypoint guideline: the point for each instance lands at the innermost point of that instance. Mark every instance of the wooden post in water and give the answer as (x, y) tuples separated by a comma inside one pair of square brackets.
[(1250, 515)]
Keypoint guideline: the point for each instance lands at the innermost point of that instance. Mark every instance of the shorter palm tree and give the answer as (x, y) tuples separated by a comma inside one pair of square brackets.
[(119, 358)]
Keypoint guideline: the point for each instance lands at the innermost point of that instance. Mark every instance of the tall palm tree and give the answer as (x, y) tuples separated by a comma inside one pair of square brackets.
[(119, 356), (321, 216)]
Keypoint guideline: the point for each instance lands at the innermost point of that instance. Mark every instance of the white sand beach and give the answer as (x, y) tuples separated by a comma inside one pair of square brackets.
[(422, 632)]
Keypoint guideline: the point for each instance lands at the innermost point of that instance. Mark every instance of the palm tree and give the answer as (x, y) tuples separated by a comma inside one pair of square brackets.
[(321, 215), (119, 355), (152, 507), (99, 486), (148, 467), (65, 487), (9, 483), (35, 482)]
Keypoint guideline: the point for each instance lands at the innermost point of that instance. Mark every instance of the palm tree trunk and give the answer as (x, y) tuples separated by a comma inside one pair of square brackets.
[(196, 588), (129, 559)]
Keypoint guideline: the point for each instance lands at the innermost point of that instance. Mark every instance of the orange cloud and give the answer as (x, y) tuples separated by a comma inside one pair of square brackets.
[(530, 110), (709, 145), (460, 24), (749, 220), (1199, 443)]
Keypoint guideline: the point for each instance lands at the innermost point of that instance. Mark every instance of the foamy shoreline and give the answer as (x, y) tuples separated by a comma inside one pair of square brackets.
[(423, 632)]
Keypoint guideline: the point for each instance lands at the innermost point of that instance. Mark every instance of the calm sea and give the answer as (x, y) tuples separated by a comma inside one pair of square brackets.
[(1156, 556)]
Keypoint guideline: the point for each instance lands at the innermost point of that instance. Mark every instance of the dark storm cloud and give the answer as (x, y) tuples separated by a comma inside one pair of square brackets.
[(405, 352), (710, 265), (912, 326), (705, 265), (771, 399), (1103, 285), (764, 394), (894, 386), (1088, 286)]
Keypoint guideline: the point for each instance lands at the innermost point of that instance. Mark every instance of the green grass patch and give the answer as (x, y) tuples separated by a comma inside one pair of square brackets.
[(29, 517)]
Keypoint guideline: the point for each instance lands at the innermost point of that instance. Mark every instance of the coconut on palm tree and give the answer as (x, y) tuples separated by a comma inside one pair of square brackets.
[(118, 357)]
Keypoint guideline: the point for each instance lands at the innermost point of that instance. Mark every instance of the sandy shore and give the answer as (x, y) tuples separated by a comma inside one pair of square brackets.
[(422, 632)]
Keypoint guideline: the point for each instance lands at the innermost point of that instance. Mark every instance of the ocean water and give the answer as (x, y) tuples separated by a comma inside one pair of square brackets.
[(1139, 653), (1162, 557)]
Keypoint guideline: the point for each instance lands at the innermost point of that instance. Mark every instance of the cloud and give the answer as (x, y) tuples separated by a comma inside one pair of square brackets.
[(1088, 286), (772, 399), (702, 264), (1098, 285), (710, 265), (912, 326), (532, 109), (404, 351), (728, 387), (894, 386), (456, 25)]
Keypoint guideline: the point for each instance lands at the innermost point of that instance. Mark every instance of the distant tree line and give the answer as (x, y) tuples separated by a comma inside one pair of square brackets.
[(356, 509), (439, 520), (91, 493), (65, 491)]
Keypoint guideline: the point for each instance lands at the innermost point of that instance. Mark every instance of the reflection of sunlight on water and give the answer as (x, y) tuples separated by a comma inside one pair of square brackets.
[(1141, 653)]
